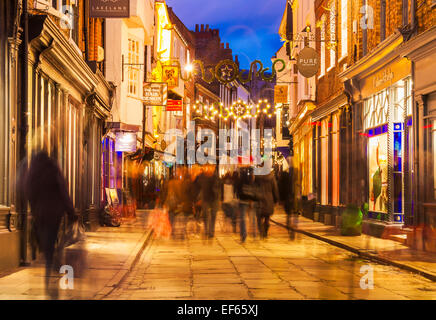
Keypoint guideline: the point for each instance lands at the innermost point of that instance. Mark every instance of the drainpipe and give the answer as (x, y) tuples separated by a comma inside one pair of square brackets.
[(22, 203)]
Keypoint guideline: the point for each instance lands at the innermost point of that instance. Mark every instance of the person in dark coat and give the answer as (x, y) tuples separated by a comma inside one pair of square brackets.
[(209, 185), (47, 192), (245, 192), (268, 196)]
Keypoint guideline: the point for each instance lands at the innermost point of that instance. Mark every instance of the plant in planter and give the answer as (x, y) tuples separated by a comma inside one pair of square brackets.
[(351, 222)]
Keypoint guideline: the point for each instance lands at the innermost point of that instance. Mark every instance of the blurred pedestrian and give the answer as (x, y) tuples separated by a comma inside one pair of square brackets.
[(172, 199), (286, 194), (228, 200), (208, 184), (268, 197), (47, 193), (246, 194)]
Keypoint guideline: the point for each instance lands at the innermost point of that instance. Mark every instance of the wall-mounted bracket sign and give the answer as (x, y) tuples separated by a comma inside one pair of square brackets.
[(155, 93), (174, 105), (109, 8), (308, 62)]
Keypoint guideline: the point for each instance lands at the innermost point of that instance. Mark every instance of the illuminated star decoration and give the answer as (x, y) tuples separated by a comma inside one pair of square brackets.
[(226, 72)]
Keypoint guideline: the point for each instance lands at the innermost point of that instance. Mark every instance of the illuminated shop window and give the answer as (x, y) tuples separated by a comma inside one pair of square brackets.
[(433, 134), (324, 162)]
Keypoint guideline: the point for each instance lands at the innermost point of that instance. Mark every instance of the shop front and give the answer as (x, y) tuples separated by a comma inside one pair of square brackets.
[(382, 138), (327, 123), (68, 103), (421, 50), (302, 161), (118, 144)]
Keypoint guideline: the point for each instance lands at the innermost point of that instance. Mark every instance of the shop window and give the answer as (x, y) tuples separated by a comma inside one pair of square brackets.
[(324, 158), (335, 160), (433, 132), (378, 172), (134, 70)]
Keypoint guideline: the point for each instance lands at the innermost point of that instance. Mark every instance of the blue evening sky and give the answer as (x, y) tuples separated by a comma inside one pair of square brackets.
[(249, 26)]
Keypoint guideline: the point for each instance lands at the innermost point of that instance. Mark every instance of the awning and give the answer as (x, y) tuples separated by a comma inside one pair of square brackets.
[(123, 126)]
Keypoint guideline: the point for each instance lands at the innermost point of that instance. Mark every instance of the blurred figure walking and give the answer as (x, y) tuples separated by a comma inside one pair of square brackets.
[(208, 184), (267, 198), (228, 199), (47, 192), (246, 193)]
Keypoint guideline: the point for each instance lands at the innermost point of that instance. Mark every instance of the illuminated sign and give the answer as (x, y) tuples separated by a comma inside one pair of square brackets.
[(125, 142), (174, 105), (109, 9), (155, 94), (280, 94), (170, 75)]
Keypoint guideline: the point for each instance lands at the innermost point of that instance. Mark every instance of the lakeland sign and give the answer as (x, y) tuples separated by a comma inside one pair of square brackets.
[(109, 8)]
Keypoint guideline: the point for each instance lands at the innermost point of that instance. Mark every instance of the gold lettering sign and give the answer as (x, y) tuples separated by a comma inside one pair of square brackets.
[(386, 77)]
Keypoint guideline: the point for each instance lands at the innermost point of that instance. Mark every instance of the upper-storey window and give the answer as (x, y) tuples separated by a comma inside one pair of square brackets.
[(344, 28), (323, 46), (332, 35), (134, 68)]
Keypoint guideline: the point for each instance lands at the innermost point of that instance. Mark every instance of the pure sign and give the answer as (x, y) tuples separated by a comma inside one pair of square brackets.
[(155, 93), (308, 62), (109, 9)]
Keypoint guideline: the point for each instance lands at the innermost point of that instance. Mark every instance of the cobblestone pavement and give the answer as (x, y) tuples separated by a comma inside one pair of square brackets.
[(276, 268)]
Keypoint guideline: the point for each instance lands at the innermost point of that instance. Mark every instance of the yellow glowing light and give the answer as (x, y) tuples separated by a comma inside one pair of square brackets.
[(189, 67), (163, 32)]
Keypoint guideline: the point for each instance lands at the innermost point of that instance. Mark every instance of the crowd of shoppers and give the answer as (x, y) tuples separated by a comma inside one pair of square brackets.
[(247, 201)]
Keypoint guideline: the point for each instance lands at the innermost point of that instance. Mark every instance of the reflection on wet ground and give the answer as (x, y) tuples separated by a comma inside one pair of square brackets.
[(275, 268)]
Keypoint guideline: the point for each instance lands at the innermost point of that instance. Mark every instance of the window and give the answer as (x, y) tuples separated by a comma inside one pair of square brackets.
[(383, 20), (344, 28), (323, 47), (324, 158), (433, 132), (335, 160), (332, 35), (133, 86)]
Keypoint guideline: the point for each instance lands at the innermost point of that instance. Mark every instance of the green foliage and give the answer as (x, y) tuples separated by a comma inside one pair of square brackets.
[(351, 221)]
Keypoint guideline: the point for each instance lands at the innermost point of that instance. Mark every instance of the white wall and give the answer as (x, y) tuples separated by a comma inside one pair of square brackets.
[(127, 108)]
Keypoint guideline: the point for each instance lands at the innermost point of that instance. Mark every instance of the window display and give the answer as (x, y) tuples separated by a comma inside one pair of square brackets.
[(378, 173)]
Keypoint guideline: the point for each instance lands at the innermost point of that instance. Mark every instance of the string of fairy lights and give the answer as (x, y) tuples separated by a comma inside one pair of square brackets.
[(238, 110)]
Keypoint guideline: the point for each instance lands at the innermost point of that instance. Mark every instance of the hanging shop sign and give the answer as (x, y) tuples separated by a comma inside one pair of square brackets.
[(125, 141), (155, 93), (170, 75), (308, 62), (174, 105), (109, 9), (280, 94)]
